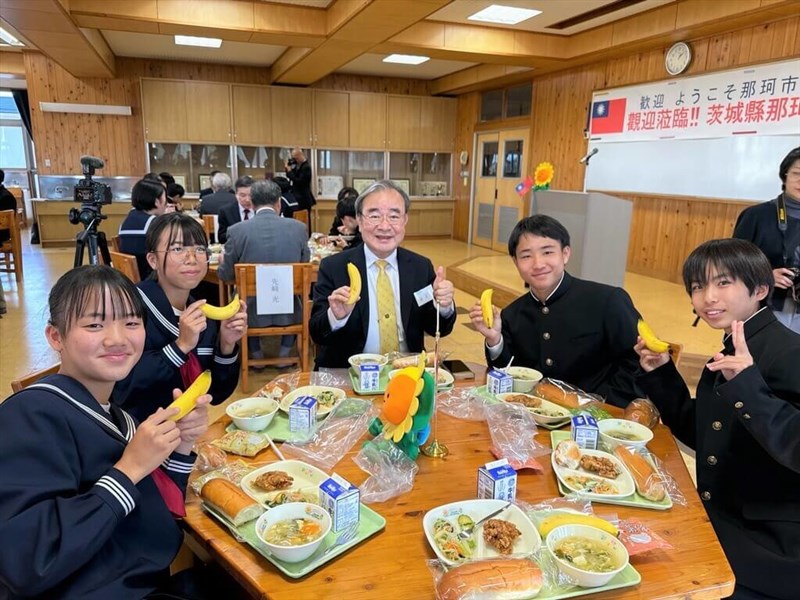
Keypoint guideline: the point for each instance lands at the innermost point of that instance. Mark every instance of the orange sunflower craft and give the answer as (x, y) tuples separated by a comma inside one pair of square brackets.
[(542, 176), (401, 401)]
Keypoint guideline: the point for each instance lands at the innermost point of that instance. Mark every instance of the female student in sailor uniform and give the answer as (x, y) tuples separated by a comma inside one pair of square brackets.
[(180, 342), (83, 510)]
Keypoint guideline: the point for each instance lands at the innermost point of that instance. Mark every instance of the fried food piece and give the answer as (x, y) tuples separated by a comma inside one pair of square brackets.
[(274, 480), (525, 400), (500, 534), (601, 465)]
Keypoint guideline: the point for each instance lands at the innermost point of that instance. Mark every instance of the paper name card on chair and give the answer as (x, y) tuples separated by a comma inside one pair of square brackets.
[(274, 289)]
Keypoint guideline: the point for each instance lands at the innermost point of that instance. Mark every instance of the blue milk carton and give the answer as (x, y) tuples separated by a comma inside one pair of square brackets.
[(342, 500), (497, 481), (499, 382), (302, 413), (585, 431), (369, 377)]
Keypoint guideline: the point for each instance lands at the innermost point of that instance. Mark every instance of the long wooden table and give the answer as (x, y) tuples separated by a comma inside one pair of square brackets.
[(391, 565)]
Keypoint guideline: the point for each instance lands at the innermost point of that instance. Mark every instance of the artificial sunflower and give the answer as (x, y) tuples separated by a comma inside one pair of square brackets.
[(543, 175)]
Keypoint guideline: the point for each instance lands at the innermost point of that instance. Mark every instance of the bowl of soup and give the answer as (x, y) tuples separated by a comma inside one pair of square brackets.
[(587, 555), (367, 359), (292, 532), (252, 414), (524, 378), (614, 432)]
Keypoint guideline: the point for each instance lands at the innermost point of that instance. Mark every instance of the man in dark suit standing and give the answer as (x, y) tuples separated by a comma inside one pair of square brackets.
[(221, 196), (396, 307), (241, 210), (299, 173)]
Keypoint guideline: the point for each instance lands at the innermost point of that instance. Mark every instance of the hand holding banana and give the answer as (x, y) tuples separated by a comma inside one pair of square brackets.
[(342, 300), (653, 352), (186, 402)]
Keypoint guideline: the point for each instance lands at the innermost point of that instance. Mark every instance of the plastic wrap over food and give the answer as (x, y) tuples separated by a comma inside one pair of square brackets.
[(564, 394), (232, 471), (462, 403), (338, 378), (638, 538), (642, 410), (401, 360), (209, 457), (512, 428), (391, 471), (493, 578), (334, 436), (280, 386)]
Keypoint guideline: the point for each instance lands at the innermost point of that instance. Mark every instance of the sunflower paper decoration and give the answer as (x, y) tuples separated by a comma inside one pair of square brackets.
[(542, 176)]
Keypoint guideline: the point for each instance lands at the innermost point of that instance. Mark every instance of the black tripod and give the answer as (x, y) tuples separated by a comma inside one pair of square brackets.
[(92, 238)]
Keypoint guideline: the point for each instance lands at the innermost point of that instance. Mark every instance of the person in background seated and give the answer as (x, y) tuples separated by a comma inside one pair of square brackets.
[(209, 190), (166, 178), (288, 201), (744, 421), (221, 197), (175, 193), (241, 210), (396, 307), (149, 199), (181, 341), (775, 228), (348, 234), (578, 331), (345, 192), (266, 238), (88, 491), (7, 202)]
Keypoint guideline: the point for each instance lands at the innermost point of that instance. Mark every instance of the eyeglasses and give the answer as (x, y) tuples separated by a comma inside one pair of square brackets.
[(377, 218), (179, 254)]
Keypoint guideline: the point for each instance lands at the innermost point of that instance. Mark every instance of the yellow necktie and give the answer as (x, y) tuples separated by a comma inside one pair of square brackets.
[(387, 320)]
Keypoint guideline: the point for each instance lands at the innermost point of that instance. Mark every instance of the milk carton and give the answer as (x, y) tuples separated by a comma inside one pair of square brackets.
[(497, 481), (499, 382), (342, 500), (369, 377), (302, 413), (585, 431)]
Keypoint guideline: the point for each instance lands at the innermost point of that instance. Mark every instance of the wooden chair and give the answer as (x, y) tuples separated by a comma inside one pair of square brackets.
[(246, 286), (113, 243), (20, 384), (125, 264), (210, 225), (11, 249), (675, 351)]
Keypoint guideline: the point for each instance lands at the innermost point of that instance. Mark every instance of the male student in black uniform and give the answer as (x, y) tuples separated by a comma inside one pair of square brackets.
[(580, 332)]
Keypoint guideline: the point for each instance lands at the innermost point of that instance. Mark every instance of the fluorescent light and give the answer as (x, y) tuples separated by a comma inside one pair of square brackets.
[(86, 109), (204, 42), (505, 15), (9, 39), (406, 59)]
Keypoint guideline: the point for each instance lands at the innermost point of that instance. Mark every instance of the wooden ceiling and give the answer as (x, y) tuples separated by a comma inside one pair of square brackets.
[(302, 42)]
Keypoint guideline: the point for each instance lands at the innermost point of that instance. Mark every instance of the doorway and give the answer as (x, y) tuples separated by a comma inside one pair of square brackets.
[(497, 207)]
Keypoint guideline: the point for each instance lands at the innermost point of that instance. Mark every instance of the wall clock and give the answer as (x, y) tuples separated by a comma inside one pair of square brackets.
[(678, 58)]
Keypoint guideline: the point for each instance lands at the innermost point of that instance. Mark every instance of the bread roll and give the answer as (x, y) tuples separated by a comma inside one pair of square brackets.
[(553, 393), (230, 501), (648, 481), (411, 361), (494, 579)]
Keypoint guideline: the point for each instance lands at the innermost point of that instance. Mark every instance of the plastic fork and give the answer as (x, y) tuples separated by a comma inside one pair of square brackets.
[(345, 536), (466, 533)]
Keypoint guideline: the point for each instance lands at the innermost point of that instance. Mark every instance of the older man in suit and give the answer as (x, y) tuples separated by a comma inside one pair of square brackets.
[(220, 197), (401, 292), (266, 238)]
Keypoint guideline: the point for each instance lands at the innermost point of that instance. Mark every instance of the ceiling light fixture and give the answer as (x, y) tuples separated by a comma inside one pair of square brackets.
[(505, 15), (406, 59), (9, 39), (203, 42)]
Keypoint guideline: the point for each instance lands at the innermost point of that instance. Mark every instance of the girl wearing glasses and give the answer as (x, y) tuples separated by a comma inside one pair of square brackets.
[(181, 342)]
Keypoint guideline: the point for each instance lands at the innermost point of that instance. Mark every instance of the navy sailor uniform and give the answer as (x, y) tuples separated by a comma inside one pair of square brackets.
[(150, 383), (132, 236), (71, 525)]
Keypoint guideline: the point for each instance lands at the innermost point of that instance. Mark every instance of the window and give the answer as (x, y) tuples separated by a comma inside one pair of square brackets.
[(512, 159), (492, 105), (12, 148), (489, 160), (509, 103)]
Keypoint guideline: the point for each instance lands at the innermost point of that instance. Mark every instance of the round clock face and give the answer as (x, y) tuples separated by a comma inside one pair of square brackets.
[(678, 58)]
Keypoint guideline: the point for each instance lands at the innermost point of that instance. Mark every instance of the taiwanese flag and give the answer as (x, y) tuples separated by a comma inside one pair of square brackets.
[(608, 116), (523, 187)]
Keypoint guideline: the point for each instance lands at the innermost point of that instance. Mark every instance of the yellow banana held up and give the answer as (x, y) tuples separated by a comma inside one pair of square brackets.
[(188, 399), (650, 339), (220, 313), (355, 283), (486, 307), (549, 523)]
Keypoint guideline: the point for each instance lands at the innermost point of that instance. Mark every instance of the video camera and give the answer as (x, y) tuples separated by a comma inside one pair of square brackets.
[(91, 194), (292, 163)]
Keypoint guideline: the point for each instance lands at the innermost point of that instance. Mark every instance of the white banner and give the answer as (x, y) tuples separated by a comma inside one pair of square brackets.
[(759, 100)]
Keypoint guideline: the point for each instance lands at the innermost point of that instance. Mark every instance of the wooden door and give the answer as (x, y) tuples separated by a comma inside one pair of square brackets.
[(403, 130), (331, 119), (164, 110), (438, 124), (367, 121), (509, 208), (485, 168), (252, 115), (291, 116), (208, 112)]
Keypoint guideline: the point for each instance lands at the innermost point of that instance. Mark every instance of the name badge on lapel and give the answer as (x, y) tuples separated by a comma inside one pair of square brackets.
[(424, 295)]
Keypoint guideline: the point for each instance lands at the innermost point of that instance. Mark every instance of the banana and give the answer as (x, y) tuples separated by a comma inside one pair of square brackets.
[(486, 307), (220, 313), (355, 283), (188, 399), (650, 339), (549, 523)]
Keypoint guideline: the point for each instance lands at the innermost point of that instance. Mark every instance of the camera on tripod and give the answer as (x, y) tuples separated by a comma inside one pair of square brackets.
[(92, 195), (292, 163)]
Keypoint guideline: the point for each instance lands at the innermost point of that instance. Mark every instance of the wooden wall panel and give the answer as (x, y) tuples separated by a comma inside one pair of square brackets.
[(376, 85), (467, 114)]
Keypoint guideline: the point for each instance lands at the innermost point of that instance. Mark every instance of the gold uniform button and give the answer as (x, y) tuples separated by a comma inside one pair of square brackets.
[(712, 460), (716, 425), (738, 405), (545, 311), (706, 495), (549, 362), (546, 336), (745, 416)]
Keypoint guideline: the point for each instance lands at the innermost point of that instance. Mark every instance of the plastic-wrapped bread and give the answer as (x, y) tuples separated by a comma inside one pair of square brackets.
[(557, 395), (230, 501), (648, 481), (411, 361), (493, 579)]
